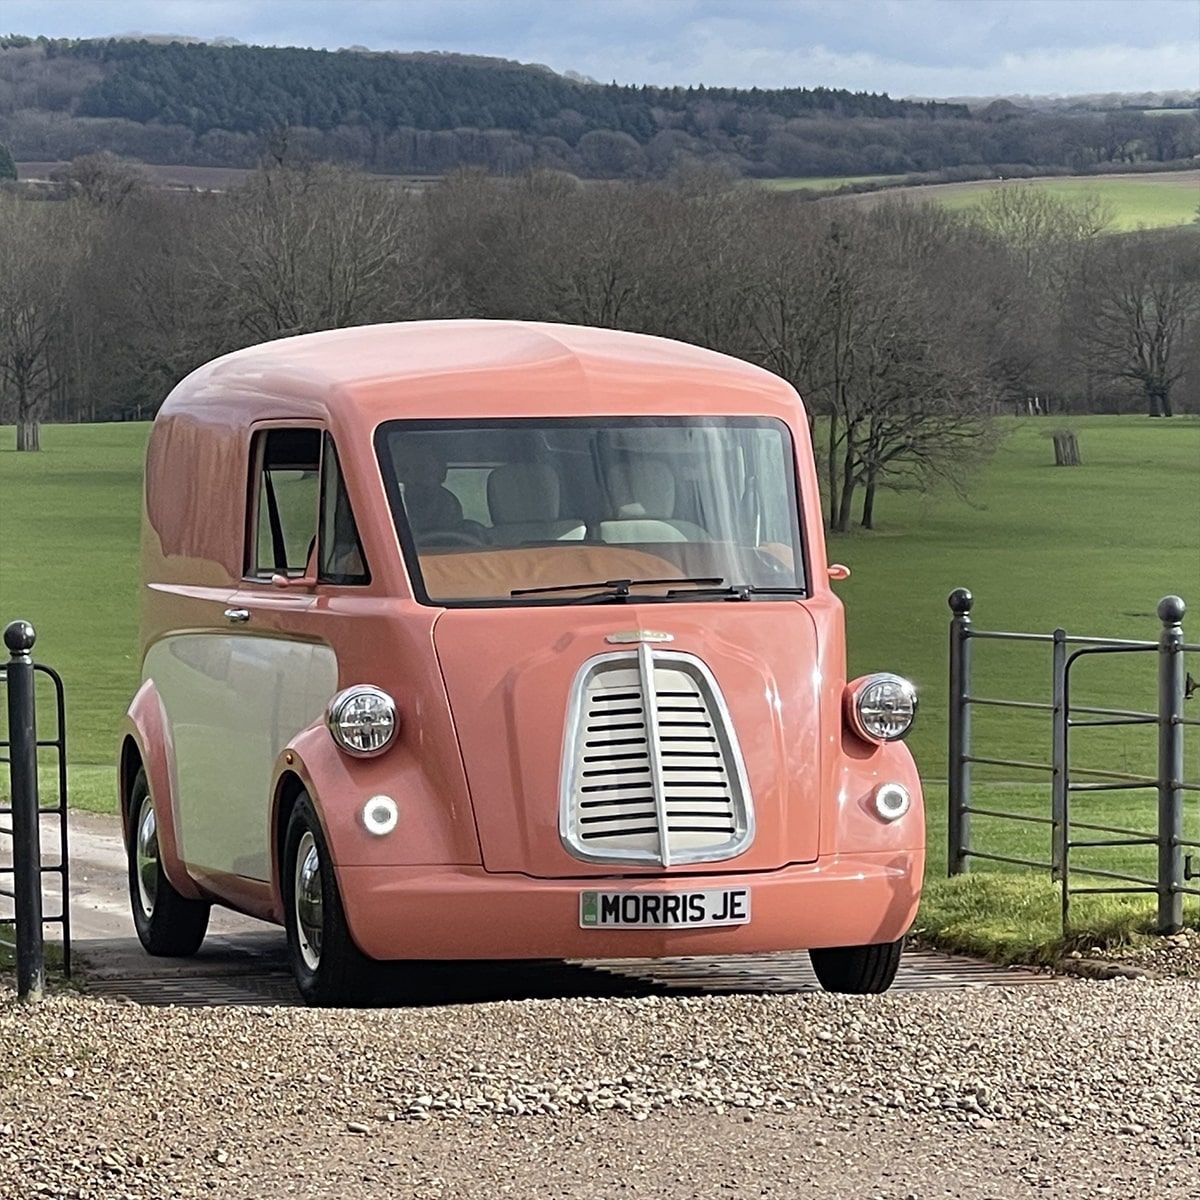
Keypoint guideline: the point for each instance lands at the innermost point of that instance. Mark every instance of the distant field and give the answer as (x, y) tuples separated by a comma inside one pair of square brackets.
[(822, 182), (1150, 201), (205, 179)]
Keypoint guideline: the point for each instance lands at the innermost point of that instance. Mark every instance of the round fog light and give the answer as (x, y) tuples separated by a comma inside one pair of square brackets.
[(379, 815), (892, 801)]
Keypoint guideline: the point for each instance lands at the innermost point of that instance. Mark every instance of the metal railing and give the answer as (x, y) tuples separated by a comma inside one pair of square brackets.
[(1174, 868), (24, 812)]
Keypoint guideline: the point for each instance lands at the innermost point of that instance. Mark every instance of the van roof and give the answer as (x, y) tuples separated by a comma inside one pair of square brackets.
[(350, 368)]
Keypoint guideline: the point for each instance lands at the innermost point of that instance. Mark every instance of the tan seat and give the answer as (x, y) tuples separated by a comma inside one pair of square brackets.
[(524, 500), (644, 496)]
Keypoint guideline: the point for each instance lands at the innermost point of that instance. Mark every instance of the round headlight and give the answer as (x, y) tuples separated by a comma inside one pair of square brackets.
[(362, 719), (883, 707)]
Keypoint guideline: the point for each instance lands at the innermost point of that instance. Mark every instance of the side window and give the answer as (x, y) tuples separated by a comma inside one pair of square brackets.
[(287, 465), (341, 557)]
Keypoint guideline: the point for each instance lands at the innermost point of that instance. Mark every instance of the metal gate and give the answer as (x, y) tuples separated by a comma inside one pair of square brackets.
[(1176, 872), (23, 870)]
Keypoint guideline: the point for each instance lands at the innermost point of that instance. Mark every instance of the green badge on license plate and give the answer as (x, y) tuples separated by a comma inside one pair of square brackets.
[(587, 909)]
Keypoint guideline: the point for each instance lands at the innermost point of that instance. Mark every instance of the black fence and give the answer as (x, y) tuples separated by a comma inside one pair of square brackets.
[(1176, 872), (21, 883)]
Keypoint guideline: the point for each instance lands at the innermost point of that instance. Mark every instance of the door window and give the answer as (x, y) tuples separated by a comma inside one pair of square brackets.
[(341, 558), (300, 503)]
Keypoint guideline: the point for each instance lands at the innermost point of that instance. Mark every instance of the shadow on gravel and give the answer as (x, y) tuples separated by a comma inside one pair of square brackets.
[(252, 969)]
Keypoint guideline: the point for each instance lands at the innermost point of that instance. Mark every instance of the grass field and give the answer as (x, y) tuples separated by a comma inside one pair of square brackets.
[(1137, 201), (822, 183), (1091, 549)]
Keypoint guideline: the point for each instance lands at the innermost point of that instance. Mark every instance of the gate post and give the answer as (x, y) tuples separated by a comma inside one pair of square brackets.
[(1170, 764), (958, 774), (26, 835), (1059, 780)]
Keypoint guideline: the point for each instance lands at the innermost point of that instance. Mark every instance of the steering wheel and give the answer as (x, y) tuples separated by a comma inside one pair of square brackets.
[(775, 568), (451, 537)]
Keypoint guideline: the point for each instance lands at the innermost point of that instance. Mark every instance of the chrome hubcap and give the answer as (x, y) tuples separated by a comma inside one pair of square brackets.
[(146, 854), (308, 901)]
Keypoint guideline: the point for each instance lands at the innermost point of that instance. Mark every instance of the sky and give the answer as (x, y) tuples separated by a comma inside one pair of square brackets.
[(904, 47)]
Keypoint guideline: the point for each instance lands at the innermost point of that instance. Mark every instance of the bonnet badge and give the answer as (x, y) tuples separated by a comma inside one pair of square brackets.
[(638, 635)]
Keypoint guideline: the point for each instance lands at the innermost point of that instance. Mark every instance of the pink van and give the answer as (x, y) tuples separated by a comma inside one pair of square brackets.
[(491, 640)]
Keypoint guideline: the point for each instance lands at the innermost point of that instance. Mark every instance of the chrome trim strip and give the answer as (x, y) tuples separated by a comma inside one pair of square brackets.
[(730, 747), (645, 658), (566, 770)]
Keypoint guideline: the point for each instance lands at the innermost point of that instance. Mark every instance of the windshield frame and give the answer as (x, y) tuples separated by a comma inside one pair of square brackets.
[(412, 557)]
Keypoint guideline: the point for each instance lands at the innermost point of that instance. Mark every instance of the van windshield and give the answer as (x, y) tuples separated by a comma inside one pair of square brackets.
[(541, 511)]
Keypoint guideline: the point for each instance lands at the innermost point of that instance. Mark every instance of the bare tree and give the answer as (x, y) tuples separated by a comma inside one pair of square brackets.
[(39, 247), (845, 312), (1037, 226), (103, 179), (1135, 300), (315, 248)]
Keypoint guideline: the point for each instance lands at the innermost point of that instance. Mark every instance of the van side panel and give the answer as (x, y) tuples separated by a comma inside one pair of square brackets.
[(231, 703)]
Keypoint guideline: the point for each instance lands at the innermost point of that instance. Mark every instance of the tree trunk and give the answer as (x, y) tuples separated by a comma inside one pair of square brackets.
[(846, 503), (1157, 400), (28, 433), (833, 470), (868, 507)]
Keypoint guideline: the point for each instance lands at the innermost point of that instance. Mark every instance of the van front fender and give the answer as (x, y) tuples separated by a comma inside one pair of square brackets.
[(427, 833)]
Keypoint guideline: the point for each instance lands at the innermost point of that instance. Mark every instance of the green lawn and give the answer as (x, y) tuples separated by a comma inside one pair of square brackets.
[(1150, 201), (69, 519), (1091, 548)]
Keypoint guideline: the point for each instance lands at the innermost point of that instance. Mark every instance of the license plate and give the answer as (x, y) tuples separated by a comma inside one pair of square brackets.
[(664, 910)]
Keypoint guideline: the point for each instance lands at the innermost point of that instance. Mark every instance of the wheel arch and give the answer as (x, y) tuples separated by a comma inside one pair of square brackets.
[(129, 763), (289, 787), (145, 743)]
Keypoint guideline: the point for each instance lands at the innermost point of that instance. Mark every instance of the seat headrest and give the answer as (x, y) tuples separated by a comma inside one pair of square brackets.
[(642, 489), (520, 492), (432, 508), (419, 464)]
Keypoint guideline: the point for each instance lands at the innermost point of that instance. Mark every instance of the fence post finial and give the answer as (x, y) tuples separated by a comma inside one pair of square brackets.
[(19, 637)]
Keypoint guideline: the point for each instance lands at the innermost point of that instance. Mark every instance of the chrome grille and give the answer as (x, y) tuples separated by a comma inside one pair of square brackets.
[(651, 770)]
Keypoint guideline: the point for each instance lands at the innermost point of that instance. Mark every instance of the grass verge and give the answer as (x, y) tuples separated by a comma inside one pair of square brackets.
[(1013, 914)]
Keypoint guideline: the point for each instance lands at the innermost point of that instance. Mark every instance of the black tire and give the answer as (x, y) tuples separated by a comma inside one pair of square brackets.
[(168, 925), (334, 972), (857, 970)]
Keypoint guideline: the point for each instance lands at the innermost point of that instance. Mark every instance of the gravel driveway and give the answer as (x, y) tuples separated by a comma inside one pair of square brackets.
[(1079, 1088)]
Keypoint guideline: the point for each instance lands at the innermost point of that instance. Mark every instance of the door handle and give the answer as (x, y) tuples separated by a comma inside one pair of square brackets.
[(237, 616)]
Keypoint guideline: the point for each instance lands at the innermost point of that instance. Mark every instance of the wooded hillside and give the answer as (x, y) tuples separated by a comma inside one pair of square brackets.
[(171, 102)]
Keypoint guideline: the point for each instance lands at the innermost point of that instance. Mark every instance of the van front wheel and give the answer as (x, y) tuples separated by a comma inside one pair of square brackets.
[(328, 967), (168, 925), (857, 970)]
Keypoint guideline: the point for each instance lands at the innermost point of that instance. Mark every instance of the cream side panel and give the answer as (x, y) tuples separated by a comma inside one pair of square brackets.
[(232, 703)]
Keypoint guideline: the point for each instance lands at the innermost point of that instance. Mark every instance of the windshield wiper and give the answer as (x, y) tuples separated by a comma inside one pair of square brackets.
[(739, 591), (616, 591)]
